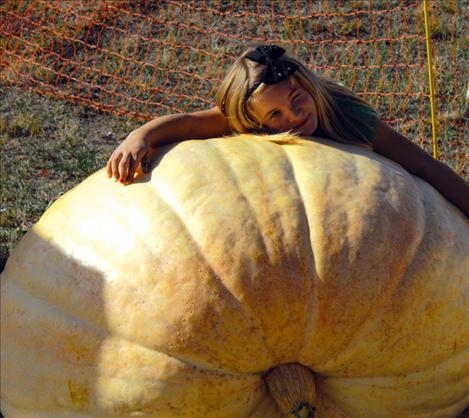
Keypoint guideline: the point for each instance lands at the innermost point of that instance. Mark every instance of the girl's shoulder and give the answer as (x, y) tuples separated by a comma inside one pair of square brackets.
[(355, 107), (359, 114)]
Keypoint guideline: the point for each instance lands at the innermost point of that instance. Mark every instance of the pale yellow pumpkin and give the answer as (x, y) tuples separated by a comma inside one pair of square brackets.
[(174, 296)]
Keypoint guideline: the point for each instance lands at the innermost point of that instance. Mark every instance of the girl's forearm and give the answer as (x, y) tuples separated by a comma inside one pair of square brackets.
[(179, 127), (448, 183), (165, 130), (415, 160)]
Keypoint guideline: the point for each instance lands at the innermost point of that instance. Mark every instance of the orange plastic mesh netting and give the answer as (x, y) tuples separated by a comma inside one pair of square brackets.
[(146, 58)]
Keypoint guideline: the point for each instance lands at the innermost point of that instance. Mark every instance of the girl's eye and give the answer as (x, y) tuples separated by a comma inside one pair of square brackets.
[(296, 96), (274, 114)]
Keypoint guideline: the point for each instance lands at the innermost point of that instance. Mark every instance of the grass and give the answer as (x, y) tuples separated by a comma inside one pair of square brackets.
[(49, 145)]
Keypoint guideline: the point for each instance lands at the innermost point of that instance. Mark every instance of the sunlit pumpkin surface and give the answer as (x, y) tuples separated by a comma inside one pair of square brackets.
[(172, 297)]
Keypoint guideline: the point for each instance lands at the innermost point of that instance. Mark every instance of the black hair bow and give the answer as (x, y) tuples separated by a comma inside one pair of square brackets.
[(276, 69)]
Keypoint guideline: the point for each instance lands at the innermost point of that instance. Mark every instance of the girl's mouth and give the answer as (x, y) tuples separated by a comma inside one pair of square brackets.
[(303, 123)]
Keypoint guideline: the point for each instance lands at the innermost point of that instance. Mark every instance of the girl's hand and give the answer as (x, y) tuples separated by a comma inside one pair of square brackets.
[(141, 145), (125, 159)]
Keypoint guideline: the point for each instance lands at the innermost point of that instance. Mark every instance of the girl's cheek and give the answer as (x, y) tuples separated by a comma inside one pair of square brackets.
[(275, 124), (282, 125)]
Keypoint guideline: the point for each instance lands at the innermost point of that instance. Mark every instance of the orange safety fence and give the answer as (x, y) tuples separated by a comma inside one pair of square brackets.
[(142, 58)]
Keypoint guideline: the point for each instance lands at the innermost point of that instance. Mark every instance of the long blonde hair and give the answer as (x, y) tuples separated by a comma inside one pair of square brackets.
[(233, 102)]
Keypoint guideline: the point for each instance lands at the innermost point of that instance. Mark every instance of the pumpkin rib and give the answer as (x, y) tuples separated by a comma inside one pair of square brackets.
[(308, 325), (386, 296), (151, 252), (265, 407), (27, 279), (314, 300), (62, 309), (306, 263), (457, 407), (143, 241), (161, 199), (416, 235), (182, 359), (413, 264), (106, 333), (392, 391), (211, 269), (191, 363), (214, 145), (236, 184), (417, 374)]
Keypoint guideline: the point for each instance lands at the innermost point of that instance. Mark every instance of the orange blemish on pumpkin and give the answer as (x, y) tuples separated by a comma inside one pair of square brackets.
[(79, 394)]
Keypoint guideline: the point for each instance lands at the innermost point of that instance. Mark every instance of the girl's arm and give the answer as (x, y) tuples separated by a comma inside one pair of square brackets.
[(396, 147), (137, 147)]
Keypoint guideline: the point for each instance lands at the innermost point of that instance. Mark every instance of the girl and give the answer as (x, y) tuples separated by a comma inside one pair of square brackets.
[(266, 91)]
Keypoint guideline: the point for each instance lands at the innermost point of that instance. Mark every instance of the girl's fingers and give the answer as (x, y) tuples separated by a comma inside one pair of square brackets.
[(114, 163), (133, 164), (124, 167), (131, 170), (109, 168), (147, 159), (145, 163)]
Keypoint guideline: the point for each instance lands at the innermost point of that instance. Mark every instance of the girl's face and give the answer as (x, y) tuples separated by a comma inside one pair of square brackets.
[(286, 106)]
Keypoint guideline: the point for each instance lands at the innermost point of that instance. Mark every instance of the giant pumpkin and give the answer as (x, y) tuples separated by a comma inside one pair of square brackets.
[(241, 278)]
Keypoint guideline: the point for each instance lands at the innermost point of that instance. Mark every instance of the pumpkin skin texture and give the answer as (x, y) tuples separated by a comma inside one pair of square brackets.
[(173, 296)]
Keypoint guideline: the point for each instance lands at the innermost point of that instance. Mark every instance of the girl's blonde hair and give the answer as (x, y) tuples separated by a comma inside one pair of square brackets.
[(234, 103)]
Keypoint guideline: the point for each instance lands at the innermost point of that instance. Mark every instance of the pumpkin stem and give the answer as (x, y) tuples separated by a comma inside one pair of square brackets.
[(293, 388)]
